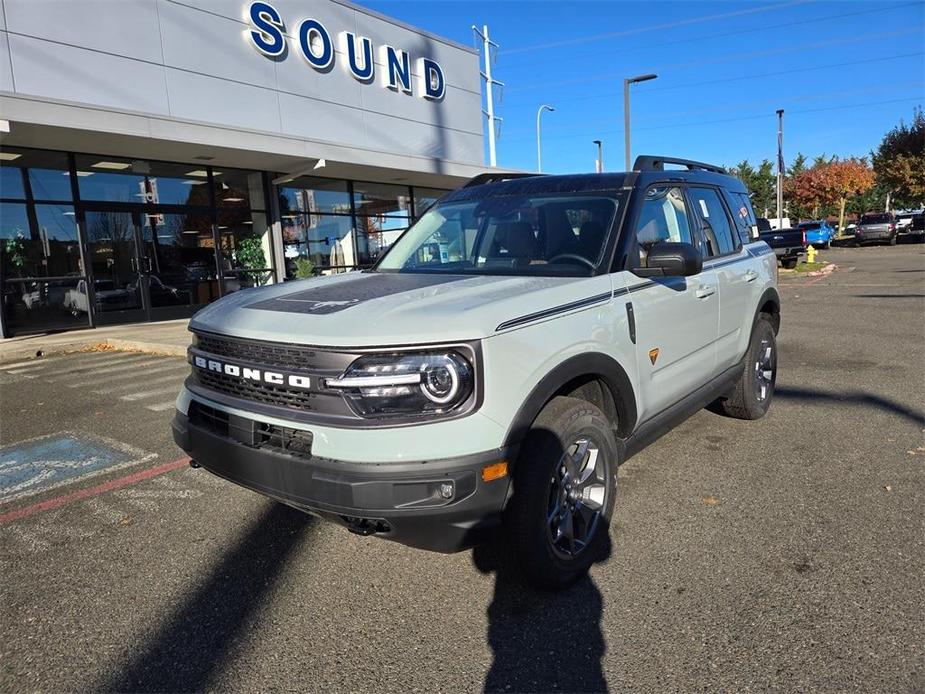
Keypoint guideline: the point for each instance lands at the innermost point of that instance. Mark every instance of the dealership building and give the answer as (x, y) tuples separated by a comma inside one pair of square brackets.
[(159, 154)]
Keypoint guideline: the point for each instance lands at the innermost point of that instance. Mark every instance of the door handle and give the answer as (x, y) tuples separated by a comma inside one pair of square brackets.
[(705, 291), (751, 276)]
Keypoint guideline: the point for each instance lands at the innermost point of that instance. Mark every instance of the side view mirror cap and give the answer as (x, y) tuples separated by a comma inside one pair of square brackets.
[(672, 259)]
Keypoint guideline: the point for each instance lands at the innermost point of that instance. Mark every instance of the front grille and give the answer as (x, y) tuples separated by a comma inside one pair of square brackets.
[(266, 393), (294, 357)]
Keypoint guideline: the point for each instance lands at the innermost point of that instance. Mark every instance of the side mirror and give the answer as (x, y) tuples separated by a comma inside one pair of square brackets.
[(670, 259)]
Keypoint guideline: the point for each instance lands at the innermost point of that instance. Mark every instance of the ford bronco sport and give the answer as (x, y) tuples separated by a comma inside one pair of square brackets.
[(523, 338)]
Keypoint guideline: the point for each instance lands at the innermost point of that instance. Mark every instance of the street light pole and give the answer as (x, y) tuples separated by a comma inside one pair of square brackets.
[(600, 156), (780, 166), (539, 151), (626, 110)]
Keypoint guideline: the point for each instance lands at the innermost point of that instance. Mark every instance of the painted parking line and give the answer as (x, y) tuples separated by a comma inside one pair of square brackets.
[(163, 406), (108, 368), (51, 461), (87, 492), (146, 368), (166, 390), (29, 363), (83, 366), (172, 379)]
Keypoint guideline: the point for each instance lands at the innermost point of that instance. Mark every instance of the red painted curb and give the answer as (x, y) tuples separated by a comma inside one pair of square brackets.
[(117, 483)]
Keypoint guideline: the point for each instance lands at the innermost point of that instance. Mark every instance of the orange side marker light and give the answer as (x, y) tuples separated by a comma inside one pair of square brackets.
[(494, 471)]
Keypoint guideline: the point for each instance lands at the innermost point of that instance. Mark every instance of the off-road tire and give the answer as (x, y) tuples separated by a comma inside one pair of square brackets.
[(744, 401), (562, 422)]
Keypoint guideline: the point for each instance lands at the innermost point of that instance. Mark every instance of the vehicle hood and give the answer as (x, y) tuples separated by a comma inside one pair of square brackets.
[(375, 309)]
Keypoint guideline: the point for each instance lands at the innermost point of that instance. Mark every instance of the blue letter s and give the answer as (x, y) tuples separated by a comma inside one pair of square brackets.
[(268, 38)]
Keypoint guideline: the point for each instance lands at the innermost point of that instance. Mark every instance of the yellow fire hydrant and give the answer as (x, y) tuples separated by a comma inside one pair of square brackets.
[(811, 254)]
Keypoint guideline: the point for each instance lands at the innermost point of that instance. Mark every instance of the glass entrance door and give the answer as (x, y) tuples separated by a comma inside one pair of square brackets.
[(147, 266), (115, 291), (179, 262)]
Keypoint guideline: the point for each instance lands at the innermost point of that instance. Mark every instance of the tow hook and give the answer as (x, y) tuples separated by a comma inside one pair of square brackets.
[(193, 464), (365, 526)]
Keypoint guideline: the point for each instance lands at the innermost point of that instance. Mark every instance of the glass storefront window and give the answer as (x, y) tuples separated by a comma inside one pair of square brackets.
[(376, 234), (48, 249), (113, 179), (11, 182), (312, 195), (236, 189), (326, 240), (378, 199), (424, 198), (180, 260), (246, 252), (39, 305)]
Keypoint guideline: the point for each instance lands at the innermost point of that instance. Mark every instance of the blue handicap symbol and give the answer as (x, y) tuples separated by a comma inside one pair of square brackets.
[(32, 466)]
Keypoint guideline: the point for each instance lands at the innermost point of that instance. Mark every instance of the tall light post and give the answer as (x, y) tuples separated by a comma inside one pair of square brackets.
[(599, 164), (626, 109), (539, 151)]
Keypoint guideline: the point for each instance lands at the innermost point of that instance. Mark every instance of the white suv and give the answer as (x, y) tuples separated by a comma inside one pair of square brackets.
[(507, 353)]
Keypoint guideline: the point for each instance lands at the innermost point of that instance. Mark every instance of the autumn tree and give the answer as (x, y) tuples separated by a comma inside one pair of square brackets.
[(900, 161), (832, 182)]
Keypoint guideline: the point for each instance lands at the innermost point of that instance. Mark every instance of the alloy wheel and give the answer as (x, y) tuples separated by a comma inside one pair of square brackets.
[(577, 494)]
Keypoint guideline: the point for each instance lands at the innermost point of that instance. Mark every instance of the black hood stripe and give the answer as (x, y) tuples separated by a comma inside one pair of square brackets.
[(325, 299)]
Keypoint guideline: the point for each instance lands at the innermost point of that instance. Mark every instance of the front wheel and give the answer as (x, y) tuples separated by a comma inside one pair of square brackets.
[(752, 393), (893, 240), (564, 489)]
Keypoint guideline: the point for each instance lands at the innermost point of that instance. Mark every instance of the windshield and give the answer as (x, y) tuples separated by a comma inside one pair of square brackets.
[(517, 235), (875, 219)]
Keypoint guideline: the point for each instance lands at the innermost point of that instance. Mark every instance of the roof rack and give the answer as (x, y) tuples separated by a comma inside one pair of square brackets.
[(648, 162), (495, 177)]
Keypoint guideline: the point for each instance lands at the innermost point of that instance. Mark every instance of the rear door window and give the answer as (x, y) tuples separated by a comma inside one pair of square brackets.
[(715, 226)]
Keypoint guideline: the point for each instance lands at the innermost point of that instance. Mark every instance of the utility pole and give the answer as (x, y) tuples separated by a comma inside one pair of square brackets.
[(599, 164), (626, 110), (539, 151), (489, 111), (780, 167)]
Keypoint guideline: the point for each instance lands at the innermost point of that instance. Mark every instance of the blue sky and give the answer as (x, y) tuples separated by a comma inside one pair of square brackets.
[(845, 73)]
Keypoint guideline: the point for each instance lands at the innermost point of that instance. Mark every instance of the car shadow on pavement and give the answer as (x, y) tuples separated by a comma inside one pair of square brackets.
[(541, 641), (855, 397), (193, 642)]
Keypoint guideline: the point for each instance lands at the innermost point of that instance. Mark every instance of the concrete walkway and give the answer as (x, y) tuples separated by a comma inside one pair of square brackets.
[(165, 337)]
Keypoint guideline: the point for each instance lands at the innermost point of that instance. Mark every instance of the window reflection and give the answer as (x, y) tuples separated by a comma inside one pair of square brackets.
[(378, 199), (114, 179)]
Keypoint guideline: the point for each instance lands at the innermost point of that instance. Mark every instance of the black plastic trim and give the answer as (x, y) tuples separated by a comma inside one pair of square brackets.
[(666, 420), (590, 364), (555, 310), (631, 321)]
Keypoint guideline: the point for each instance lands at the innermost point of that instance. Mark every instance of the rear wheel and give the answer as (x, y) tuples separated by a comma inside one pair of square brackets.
[(564, 489), (788, 263), (893, 240), (751, 396)]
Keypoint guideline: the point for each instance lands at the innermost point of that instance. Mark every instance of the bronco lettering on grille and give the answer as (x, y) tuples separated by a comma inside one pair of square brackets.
[(245, 372)]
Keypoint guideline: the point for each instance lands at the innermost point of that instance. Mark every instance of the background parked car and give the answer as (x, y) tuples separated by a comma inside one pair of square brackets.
[(819, 234), (788, 244), (876, 227)]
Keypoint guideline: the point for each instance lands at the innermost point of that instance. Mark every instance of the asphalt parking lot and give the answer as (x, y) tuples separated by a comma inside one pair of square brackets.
[(782, 554)]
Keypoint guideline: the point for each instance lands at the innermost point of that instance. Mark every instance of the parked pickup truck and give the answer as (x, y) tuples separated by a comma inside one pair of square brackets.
[(788, 244), (487, 376)]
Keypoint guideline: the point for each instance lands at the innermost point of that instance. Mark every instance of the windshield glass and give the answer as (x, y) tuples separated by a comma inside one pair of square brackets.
[(875, 219), (519, 235)]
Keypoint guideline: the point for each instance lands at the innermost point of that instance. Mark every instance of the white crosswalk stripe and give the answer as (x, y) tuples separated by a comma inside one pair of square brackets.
[(41, 361), (166, 390), (163, 406), (113, 366), (84, 366), (141, 375)]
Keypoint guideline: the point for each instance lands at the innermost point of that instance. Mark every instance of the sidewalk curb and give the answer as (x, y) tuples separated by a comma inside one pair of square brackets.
[(115, 344)]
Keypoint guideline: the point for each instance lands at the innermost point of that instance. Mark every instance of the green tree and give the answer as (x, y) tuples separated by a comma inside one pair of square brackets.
[(900, 161), (760, 183), (798, 166)]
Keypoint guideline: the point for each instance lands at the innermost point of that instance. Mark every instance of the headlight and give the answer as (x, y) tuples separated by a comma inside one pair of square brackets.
[(380, 385)]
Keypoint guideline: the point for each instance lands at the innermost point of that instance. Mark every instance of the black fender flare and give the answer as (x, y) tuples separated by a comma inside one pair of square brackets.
[(594, 364), (771, 296)]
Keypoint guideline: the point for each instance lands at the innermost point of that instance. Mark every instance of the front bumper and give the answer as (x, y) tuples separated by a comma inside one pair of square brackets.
[(396, 501)]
